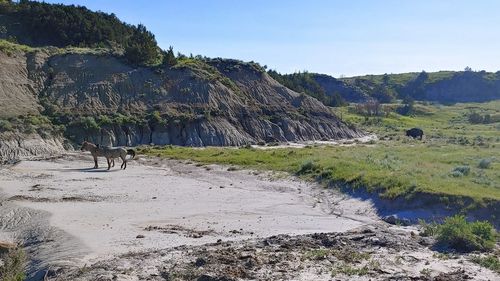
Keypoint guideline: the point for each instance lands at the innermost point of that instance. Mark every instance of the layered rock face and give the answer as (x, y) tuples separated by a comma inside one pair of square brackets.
[(27, 146), (212, 102), (17, 93)]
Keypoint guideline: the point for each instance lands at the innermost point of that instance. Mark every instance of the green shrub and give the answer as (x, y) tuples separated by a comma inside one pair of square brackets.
[(5, 126), (491, 262), (484, 163), (104, 120), (36, 120), (428, 229), (461, 235), (88, 124), (460, 171), (154, 118), (121, 119), (307, 167)]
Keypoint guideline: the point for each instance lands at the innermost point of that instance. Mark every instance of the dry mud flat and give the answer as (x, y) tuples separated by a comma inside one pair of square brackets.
[(367, 253), (166, 220)]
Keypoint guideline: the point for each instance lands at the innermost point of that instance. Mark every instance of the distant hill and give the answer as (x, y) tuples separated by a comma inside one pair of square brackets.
[(442, 86)]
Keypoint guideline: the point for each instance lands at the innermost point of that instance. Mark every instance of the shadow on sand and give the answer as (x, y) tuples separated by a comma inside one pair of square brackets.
[(87, 170)]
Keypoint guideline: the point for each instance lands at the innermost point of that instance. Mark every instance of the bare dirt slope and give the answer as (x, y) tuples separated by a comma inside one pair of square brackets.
[(69, 215), (17, 92)]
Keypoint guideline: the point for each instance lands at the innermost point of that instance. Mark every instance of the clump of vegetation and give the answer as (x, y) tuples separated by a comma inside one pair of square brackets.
[(369, 108), (489, 261), (460, 171), (476, 118), (10, 47), (308, 167), (154, 119), (428, 229), (484, 163), (30, 124), (5, 126), (317, 254), (461, 235), (13, 264), (350, 270), (87, 123), (407, 108), (142, 48)]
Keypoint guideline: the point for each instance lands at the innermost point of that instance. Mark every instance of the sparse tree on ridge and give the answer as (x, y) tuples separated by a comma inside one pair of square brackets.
[(169, 58), (143, 49)]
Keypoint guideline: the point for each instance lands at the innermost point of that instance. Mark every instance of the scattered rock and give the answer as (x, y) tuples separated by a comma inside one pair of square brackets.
[(53, 272), (140, 236), (210, 278), (394, 220), (200, 262)]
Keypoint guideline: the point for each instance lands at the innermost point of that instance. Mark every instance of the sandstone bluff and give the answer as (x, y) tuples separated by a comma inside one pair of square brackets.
[(200, 102)]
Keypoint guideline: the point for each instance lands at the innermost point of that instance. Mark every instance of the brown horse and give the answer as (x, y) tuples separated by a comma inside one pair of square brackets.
[(109, 152)]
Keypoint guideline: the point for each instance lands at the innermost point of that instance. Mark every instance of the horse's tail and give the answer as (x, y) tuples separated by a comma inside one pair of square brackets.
[(131, 152)]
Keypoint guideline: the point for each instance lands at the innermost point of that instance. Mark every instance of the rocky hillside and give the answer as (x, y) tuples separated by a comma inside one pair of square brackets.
[(119, 88), (197, 102)]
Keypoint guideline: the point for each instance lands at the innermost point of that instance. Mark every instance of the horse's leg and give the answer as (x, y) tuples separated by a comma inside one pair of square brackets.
[(124, 164), (95, 162), (113, 161), (109, 163)]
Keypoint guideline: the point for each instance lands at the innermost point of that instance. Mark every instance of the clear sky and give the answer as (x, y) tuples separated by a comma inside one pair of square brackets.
[(327, 36)]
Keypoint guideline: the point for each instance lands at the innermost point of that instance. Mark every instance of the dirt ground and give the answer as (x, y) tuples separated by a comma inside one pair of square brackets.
[(171, 220)]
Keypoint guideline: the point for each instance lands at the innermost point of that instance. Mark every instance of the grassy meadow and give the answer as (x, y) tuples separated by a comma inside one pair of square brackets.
[(456, 159)]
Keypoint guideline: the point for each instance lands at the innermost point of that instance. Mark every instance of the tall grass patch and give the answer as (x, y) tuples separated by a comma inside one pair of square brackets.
[(12, 264)]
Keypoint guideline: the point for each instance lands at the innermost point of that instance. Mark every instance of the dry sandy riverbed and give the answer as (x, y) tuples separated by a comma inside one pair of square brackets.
[(152, 221)]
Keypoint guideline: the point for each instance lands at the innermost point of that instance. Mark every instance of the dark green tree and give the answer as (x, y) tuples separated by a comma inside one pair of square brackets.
[(407, 107), (142, 49), (416, 87), (383, 94), (336, 100), (169, 58), (385, 79)]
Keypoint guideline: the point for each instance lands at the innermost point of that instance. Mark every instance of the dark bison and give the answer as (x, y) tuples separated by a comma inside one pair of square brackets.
[(415, 133)]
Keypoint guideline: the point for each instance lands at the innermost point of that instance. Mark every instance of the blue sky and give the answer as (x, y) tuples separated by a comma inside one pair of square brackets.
[(326, 36)]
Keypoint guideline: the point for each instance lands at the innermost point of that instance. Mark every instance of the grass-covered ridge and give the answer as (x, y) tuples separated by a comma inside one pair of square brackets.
[(39, 24), (393, 167)]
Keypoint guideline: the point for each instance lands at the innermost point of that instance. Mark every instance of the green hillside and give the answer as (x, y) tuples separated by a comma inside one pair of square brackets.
[(41, 24)]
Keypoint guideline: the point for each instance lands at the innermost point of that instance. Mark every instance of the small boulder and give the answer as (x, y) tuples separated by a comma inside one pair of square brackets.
[(200, 262), (393, 219)]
